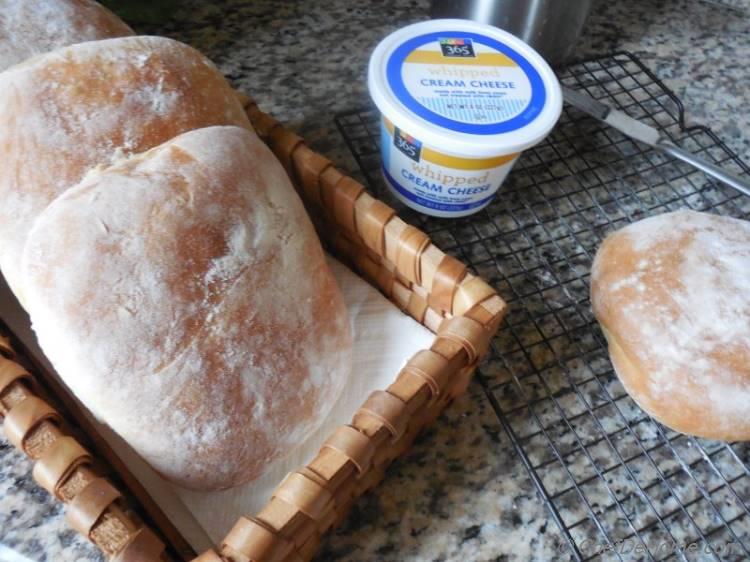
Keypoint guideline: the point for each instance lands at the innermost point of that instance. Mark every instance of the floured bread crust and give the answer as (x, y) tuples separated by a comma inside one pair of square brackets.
[(32, 27), (183, 296), (71, 110), (672, 293)]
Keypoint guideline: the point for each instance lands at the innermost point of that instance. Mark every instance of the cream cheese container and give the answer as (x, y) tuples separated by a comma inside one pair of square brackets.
[(459, 101)]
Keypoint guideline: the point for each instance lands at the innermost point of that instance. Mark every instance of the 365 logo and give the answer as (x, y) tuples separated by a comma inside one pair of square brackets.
[(407, 144), (455, 47)]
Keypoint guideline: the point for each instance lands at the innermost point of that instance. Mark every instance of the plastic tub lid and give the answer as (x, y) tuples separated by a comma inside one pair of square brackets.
[(465, 88)]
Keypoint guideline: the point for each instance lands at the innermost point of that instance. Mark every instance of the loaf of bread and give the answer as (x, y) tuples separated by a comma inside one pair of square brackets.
[(672, 294), (171, 273), (184, 297), (33, 27), (85, 106)]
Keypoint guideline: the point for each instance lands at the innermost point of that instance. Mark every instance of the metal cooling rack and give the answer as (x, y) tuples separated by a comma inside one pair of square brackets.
[(619, 485)]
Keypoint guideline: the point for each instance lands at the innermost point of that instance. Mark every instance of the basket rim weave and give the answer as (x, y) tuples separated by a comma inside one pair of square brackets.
[(400, 260)]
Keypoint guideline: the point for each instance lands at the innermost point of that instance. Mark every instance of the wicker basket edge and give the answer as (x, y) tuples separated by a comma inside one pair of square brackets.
[(398, 259)]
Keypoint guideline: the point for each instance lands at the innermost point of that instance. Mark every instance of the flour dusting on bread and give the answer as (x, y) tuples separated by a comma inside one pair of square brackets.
[(184, 297), (674, 291), (87, 106), (32, 27)]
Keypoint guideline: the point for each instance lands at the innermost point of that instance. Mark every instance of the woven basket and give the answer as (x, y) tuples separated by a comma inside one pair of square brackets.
[(432, 287)]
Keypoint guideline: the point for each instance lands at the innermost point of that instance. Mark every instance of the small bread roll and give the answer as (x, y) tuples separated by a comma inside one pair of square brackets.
[(672, 294), (183, 296), (66, 112), (32, 27)]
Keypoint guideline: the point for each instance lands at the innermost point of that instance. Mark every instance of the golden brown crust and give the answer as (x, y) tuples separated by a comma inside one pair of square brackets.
[(668, 292), (183, 296), (32, 27), (86, 106)]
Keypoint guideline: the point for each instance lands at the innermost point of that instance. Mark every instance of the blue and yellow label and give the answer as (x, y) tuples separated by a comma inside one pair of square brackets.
[(466, 82), (416, 152), (433, 181)]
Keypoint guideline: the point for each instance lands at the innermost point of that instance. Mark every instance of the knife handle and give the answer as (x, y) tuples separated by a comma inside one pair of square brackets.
[(713, 170)]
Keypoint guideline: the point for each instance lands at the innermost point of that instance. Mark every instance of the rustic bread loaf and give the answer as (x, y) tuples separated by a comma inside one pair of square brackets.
[(33, 27), (184, 297), (672, 294), (64, 113), (169, 268)]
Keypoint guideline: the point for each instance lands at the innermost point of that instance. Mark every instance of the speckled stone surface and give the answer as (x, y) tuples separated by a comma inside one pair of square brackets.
[(462, 494), (32, 525)]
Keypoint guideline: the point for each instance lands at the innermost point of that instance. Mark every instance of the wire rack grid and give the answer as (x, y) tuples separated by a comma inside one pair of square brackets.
[(619, 485)]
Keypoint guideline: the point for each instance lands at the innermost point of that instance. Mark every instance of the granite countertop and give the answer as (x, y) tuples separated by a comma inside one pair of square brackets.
[(462, 494)]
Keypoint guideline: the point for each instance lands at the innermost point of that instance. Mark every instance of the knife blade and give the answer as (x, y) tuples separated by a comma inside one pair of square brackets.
[(651, 136), (612, 117)]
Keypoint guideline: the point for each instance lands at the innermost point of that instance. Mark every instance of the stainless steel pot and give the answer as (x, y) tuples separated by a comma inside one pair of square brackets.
[(552, 27)]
